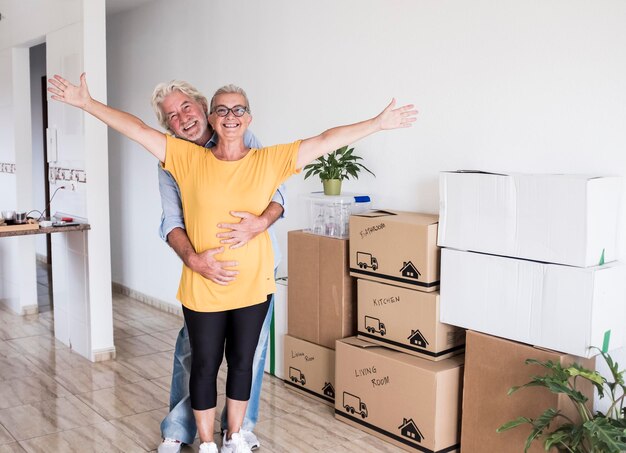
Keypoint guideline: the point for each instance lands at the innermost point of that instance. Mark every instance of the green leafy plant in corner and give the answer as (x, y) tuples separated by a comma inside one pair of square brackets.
[(595, 432), (339, 164)]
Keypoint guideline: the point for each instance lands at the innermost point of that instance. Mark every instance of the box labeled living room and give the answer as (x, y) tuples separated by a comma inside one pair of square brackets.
[(406, 400), (309, 369)]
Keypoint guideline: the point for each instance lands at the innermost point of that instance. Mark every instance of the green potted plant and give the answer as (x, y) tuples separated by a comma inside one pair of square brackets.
[(335, 167), (595, 432)]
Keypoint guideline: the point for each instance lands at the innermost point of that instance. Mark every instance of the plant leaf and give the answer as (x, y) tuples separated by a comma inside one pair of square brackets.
[(609, 436), (513, 423), (593, 376), (539, 424)]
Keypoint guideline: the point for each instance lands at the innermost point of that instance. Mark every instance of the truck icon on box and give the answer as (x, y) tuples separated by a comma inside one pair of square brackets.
[(352, 404), (373, 325), (296, 376), (365, 260)]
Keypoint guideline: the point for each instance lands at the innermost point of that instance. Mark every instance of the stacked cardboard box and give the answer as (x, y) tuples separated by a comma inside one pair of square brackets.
[(494, 365), (400, 384), (527, 259), (322, 309)]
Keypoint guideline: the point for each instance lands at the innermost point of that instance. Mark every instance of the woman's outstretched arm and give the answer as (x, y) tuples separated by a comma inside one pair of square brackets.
[(125, 123), (330, 140)]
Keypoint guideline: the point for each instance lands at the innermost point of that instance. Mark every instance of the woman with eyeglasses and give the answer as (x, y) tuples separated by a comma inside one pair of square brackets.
[(212, 181)]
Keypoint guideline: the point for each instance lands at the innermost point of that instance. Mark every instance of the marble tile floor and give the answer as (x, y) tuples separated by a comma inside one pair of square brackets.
[(53, 400)]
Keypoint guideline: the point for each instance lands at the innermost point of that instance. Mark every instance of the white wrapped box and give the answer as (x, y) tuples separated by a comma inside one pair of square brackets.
[(563, 308), (564, 219)]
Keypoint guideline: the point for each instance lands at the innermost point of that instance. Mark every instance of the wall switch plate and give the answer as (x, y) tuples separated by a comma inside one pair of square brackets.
[(51, 144)]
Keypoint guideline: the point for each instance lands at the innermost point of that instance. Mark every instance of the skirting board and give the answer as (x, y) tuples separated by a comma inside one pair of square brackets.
[(27, 310), (103, 354), (148, 300)]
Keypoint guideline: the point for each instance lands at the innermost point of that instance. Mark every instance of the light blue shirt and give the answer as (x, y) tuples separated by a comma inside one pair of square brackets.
[(172, 216)]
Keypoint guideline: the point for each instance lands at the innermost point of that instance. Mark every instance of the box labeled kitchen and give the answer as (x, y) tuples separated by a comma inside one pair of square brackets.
[(322, 295), (329, 215), (405, 320), (408, 401), (564, 219), (395, 247), (309, 369), (563, 308), (492, 366)]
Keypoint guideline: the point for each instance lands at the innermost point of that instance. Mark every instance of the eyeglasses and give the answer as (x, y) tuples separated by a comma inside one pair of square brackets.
[(238, 110)]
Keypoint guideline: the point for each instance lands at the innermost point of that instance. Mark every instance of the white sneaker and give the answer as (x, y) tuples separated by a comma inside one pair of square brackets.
[(236, 444), (169, 446), (250, 438), (208, 447)]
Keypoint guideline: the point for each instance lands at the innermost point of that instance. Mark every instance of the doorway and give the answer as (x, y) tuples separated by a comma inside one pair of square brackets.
[(41, 187)]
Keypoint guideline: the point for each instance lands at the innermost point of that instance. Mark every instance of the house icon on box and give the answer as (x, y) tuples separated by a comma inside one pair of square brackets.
[(329, 390), (410, 271), (416, 338), (409, 429)]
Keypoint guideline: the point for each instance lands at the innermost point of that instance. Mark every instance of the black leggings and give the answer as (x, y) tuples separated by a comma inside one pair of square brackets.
[(240, 329)]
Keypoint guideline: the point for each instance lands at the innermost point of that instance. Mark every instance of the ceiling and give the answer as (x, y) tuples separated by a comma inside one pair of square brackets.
[(118, 6)]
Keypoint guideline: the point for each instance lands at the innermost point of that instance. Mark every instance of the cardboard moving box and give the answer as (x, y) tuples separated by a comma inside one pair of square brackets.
[(310, 369), (395, 247), (566, 219), (562, 308), (322, 295), (406, 320), (408, 401), (494, 365)]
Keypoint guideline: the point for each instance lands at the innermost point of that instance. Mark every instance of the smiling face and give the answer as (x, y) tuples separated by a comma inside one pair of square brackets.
[(186, 117), (229, 126)]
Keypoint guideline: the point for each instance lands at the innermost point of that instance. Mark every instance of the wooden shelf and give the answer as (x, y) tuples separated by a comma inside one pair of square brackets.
[(23, 230)]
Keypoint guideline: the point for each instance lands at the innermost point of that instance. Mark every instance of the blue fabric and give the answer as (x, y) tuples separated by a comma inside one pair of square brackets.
[(180, 424)]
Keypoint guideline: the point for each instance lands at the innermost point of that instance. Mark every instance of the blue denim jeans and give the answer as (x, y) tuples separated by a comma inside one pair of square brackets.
[(180, 424)]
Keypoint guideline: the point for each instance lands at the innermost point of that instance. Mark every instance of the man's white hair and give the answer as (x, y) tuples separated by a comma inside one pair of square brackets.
[(162, 90)]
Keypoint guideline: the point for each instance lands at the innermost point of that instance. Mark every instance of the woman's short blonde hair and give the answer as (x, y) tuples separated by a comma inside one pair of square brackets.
[(162, 90), (227, 89)]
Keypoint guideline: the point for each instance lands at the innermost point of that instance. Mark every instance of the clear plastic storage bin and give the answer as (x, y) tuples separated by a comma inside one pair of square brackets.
[(329, 215)]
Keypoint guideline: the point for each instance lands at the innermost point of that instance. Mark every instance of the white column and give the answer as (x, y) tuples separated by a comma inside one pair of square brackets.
[(25, 253), (97, 197)]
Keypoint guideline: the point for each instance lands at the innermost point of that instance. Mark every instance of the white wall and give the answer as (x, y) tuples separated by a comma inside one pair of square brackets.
[(9, 279)]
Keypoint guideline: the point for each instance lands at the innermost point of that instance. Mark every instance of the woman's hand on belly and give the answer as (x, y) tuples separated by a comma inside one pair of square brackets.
[(208, 266), (239, 234)]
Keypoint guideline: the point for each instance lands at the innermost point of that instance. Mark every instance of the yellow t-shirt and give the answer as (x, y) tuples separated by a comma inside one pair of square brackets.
[(210, 188)]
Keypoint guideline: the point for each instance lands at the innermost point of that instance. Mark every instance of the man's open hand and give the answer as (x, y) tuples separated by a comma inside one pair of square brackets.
[(205, 264)]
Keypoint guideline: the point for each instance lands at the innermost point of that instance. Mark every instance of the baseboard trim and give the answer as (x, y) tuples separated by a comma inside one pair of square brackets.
[(103, 355), (30, 310), (148, 300), (10, 303)]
